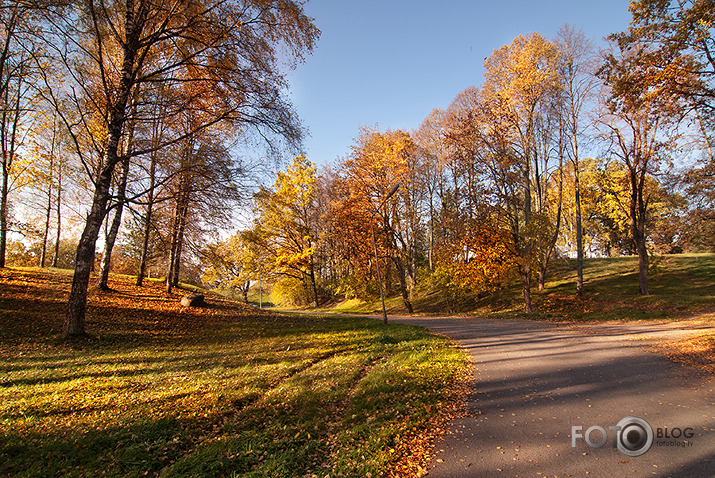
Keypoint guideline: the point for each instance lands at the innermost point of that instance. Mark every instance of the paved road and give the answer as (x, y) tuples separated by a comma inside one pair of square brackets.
[(534, 381)]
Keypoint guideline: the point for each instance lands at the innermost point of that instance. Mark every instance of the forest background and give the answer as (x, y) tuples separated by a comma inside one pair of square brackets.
[(139, 124)]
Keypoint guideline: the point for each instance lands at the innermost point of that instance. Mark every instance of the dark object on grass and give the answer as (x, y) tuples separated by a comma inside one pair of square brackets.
[(193, 300)]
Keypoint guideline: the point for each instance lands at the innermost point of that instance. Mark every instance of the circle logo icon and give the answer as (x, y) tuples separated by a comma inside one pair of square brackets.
[(634, 436)]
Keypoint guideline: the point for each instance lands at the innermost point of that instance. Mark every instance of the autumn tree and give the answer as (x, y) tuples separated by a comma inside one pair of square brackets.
[(380, 162), (577, 72), (232, 264), (284, 231), (203, 193), (221, 55), (18, 99), (671, 51), (434, 173), (637, 125), (47, 180), (150, 178), (346, 242), (505, 134)]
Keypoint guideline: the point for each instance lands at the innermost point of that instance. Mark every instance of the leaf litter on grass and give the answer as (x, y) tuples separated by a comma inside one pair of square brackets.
[(224, 390)]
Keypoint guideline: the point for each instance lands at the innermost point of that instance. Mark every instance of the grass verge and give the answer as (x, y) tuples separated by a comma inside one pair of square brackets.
[(224, 390), (682, 288)]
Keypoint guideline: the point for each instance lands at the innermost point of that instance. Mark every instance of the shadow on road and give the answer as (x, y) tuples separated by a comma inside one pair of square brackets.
[(534, 381)]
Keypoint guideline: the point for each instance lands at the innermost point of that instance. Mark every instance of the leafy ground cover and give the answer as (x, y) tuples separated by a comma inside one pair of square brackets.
[(223, 390), (697, 350)]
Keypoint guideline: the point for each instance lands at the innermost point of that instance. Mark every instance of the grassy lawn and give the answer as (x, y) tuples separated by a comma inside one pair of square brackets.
[(223, 390), (681, 286)]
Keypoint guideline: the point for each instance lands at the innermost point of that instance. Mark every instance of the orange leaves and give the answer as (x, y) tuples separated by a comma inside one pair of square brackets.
[(481, 258), (32, 306), (378, 205), (378, 162), (697, 350)]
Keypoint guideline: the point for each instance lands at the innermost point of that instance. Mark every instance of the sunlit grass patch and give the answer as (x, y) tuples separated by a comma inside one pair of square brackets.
[(681, 286), (219, 391)]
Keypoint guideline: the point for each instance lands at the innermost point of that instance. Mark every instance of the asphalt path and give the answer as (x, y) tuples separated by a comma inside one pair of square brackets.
[(535, 381)]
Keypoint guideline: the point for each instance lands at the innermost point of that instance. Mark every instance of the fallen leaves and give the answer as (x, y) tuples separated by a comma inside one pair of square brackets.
[(213, 390), (697, 350)]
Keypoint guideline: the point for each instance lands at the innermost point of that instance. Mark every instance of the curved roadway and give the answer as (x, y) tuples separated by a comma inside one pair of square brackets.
[(534, 381)]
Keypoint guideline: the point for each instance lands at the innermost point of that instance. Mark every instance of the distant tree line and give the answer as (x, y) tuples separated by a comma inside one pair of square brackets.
[(122, 121), (494, 187)]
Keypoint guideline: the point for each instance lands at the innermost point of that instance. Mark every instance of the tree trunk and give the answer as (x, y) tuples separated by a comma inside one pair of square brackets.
[(177, 239), (3, 213), (8, 157), (526, 286), (555, 237), (77, 303), (55, 258), (527, 248), (109, 240), (147, 224), (179, 247), (638, 208), (642, 266), (579, 233), (172, 254), (48, 216), (246, 287), (639, 241), (401, 277), (111, 237), (114, 229), (312, 283)]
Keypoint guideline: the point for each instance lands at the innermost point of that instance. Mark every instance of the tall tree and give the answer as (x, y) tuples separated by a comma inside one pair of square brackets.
[(433, 172), (204, 191), (379, 162), (157, 129), (221, 56), (634, 123), (17, 26), (577, 70), (676, 56), (521, 81)]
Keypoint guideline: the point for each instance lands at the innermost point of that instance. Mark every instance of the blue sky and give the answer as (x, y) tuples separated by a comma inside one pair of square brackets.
[(390, 62)]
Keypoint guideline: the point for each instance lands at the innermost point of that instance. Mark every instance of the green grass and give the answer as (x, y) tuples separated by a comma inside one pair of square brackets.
[(357, 306), (681, 286), (219, 391)]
